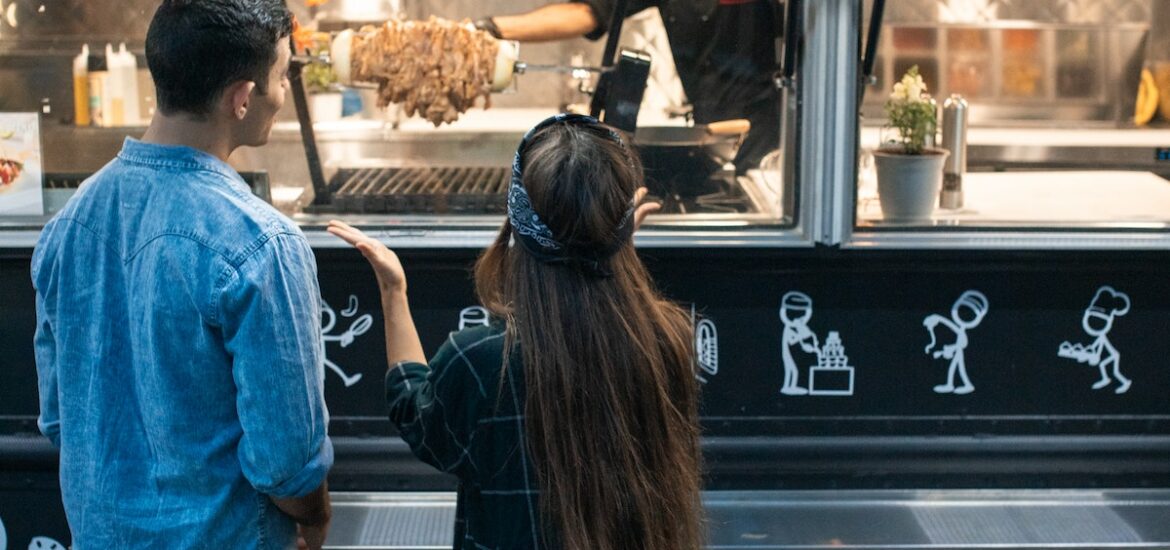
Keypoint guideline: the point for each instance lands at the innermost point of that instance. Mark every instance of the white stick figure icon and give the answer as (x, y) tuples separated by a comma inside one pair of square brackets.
[(706, 346), (1098, 321), (967, 312), (795, 311), (44, 543), (474, 316), (359, 327)]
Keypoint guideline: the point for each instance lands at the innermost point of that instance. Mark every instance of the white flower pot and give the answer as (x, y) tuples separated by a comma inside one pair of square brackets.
[(908, 185), (325, 107)]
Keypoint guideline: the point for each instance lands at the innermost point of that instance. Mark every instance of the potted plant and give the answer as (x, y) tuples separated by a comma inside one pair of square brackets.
[(909, 168), (325, 98)]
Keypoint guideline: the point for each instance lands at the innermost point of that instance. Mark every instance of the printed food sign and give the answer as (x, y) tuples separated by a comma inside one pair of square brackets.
[(20, 165)]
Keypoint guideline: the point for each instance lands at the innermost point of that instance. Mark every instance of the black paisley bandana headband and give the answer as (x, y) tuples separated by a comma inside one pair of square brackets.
[(535, 237)]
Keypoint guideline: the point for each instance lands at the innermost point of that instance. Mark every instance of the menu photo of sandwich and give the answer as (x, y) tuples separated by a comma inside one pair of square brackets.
[(10, 170), (21, 171)]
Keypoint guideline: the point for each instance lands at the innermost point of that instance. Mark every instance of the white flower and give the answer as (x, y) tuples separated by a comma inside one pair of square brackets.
[(899, 92), (913, 88)]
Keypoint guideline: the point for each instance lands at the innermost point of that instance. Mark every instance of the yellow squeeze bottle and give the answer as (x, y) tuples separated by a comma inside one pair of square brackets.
[(115, 92), (81, 87)]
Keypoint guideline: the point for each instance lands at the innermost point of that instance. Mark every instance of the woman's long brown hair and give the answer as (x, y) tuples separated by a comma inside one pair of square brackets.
[(612, 419)]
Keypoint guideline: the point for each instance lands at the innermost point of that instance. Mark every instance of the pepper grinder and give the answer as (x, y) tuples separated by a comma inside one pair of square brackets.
[(954, 138)]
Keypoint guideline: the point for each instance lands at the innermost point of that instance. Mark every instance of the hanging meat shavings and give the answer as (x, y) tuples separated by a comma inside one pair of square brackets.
[(435, 68)]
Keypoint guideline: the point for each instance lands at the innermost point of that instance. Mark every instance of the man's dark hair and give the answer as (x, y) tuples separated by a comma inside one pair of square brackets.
[(197, 48)]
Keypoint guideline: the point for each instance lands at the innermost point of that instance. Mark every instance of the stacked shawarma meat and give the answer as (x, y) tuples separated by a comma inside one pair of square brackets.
[(436, 68)]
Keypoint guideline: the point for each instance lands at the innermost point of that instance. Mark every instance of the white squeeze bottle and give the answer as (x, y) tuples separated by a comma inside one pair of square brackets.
[(81, 87), (115, 97), (129, 77)]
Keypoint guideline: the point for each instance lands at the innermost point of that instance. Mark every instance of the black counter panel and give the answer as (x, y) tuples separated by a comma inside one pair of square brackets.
[(869, 414), (867, 314)]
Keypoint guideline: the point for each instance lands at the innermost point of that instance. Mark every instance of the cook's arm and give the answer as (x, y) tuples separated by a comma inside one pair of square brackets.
[(547, 23)]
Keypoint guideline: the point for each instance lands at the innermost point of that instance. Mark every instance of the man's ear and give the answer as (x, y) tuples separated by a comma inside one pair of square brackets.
[(236, 96)]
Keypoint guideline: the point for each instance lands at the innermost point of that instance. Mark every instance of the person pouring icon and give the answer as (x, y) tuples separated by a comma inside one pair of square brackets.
[(967, 312), (1107, 304), (795, 311)]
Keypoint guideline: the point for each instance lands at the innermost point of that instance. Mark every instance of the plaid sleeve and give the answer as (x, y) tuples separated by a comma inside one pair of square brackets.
[(436, 407)]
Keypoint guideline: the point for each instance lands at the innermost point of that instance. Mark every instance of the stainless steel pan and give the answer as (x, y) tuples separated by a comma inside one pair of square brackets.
[(681, 159)]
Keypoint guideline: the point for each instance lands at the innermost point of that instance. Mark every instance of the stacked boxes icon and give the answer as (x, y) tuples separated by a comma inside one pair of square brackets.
[(832, 376)]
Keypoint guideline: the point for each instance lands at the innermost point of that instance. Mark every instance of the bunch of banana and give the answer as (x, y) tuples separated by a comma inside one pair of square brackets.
[(1147, 99)]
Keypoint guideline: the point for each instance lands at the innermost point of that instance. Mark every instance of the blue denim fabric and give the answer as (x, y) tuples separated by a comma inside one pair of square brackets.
[(179, 355)]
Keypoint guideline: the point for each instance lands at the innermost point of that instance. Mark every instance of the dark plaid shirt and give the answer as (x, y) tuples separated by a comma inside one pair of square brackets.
[(458, 417)]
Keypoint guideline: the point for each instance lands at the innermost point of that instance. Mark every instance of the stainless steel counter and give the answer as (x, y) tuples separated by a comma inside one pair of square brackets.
[(1034, 188)]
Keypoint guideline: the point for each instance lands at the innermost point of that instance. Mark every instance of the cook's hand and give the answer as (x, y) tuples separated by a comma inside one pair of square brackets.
[(391, 277), (643, 210)]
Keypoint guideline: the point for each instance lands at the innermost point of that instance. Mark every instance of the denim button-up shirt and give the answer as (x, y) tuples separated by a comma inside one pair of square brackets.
[(179, 356)]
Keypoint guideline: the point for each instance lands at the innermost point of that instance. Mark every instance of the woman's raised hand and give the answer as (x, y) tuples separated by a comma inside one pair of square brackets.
[(643, 210), (391, 277)]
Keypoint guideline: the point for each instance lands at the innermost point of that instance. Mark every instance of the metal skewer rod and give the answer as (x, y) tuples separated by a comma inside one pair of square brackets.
[(311, 59), (522, 67)]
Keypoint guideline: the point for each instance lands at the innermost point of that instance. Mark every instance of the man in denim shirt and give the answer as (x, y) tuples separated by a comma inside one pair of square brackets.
[(178, 342)]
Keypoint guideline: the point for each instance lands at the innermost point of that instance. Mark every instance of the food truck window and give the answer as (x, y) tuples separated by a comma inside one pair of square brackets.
[(1063, 128), (711, 151)]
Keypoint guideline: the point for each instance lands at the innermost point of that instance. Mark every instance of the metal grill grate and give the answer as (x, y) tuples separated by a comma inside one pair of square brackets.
[(1011, 525), (421, 190), (408, 527)]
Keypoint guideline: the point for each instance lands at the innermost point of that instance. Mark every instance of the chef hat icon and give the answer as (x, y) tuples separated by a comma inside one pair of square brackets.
[(974, 300), (1110, 302), (796, 301)]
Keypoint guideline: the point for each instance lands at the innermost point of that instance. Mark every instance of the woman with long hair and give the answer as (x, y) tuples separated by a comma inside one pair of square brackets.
[(571, 423)]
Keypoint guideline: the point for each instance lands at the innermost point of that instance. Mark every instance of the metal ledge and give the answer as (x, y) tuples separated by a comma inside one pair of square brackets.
[(1007, 240), (386, 464), (897, 519)]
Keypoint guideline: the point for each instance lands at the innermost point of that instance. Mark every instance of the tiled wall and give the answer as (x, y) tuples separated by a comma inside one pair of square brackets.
[(36, 51), (1026, 60), (1044, 11)]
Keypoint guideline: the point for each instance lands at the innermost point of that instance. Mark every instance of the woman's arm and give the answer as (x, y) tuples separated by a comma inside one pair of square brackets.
[(402, 342), (437, 420)]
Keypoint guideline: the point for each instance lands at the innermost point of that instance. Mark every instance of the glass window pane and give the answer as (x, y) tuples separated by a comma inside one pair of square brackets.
[(1064, 128)]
